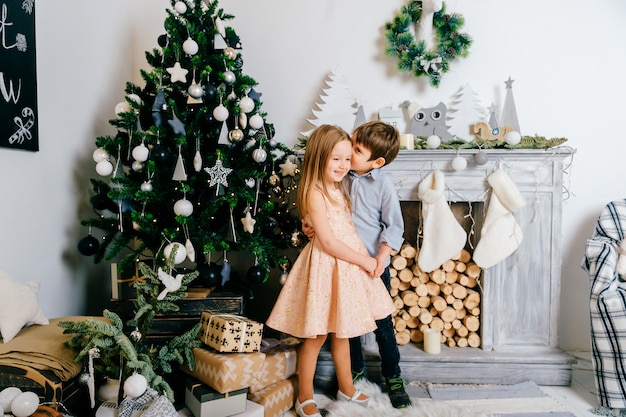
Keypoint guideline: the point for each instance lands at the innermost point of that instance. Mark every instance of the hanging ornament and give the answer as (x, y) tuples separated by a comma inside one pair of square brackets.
[(136, 335), (146, 186), (209, 274), (246, 104), (248, 222), (195, 90), (288, 168), (177, 73), (177, 126), (250, 182), (100, 154), (225, 272), (229, 77), (141, 152), (159, 105), (243, 120), (274, 179), (235, 135), (481, 157), (285, 265), (183, 207), (135, 99), (190, 46), (104, 168), (220, 113), (135, 385), (513, 138), (256, 274), (191, 252), (223, 139), (256, 121), (160, 154), (459, 163), (122, 107), (230, 53), (88, 245), (259, 155), (433, 141), (197, 161), (180, 7), (181, 252), (218, 174), (219, 26), (83, 379), (210, 92), (179, 172), (296, 239)]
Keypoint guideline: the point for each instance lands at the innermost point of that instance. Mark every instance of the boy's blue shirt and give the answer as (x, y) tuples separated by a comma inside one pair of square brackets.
[(376, 210)]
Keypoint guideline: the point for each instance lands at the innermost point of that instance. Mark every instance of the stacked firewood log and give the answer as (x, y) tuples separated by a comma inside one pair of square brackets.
[(447, 299)]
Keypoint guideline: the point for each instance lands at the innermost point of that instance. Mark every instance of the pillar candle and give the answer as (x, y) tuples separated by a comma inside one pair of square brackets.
[(407, 141), (432, 341)]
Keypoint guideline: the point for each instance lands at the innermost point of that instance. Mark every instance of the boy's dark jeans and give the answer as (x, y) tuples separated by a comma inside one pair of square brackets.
[(386, 339)]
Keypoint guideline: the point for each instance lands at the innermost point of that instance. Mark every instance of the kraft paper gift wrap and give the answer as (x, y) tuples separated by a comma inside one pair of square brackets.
[(230, 333), (277, 398), (225, 372), (280, 363)]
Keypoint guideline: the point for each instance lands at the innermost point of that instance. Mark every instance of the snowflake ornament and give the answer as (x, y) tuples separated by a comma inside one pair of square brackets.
[(218, 174)]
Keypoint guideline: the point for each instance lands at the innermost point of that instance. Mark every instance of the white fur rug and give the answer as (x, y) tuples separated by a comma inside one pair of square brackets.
[(380, 406)]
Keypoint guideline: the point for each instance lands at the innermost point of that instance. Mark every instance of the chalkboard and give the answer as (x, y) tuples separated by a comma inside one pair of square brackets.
[(18, 76)]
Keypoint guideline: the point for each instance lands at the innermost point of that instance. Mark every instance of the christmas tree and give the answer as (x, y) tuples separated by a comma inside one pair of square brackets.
[(194, 162), (194, 171)]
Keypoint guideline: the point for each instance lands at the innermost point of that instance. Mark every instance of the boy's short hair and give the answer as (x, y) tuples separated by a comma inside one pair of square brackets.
[(380, 138)]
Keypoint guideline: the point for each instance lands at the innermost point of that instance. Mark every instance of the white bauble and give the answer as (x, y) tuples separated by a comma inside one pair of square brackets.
[(180, 7), (100, 154), (137, 166), (104, 168), (183, 207), (134, 98), (259, 155), (256, 122), (181, 252), (220, 113), (190, 47), (195, 90), (246, 104), (229, 77), (6, 397), (459, 163), (513, 137), (122, 107), (24, 404), (135, 385), (433, 141), (146, 186), (141, 152)]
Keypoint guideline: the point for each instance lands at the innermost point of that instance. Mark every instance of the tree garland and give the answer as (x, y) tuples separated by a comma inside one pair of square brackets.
[(413, 56)]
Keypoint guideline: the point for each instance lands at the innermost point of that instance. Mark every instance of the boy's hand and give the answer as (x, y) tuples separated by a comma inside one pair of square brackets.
[(307, 229), (380, 265)]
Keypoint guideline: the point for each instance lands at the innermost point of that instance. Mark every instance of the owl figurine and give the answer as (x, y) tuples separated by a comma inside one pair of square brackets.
[(429, 121)]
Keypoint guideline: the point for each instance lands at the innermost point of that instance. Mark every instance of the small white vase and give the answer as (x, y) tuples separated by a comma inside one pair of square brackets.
[(107, 392)]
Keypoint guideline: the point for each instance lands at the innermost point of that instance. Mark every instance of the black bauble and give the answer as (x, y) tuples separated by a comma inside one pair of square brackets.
[(160, 154), (209, 275), (101, 202), (210, 93), (162, 40), (256, 274), (88, 245)]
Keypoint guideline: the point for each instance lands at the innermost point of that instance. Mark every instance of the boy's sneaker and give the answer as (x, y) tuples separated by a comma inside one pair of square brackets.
[(356, 375), (398, 396)]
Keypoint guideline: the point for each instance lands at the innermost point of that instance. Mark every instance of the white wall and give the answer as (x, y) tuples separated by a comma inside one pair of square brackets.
[(566, 57)]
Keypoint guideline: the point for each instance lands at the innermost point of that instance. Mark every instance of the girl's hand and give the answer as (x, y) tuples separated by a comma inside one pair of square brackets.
[(370, 265)]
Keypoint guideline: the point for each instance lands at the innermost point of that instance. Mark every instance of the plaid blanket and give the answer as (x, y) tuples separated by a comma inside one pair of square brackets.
[(608, 305)]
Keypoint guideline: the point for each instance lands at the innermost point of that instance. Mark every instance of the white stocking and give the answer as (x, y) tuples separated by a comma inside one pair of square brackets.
[(500, 234), (443, 237)]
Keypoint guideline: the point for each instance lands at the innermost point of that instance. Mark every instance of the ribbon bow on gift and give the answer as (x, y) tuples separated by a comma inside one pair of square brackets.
[(129, 405), (431, 64)]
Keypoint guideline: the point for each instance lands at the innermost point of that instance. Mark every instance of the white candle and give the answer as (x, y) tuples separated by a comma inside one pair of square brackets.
[(407, 141), (432, 341)]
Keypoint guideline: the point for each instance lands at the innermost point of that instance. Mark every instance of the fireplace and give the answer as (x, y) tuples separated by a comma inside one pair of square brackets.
[(520, 295)]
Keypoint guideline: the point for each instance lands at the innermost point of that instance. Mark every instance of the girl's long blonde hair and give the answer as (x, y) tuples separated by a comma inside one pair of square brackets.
[(317, 153)]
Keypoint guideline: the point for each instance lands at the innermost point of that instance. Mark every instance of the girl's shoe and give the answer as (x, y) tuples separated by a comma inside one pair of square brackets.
[(300, 411), (355, 398)]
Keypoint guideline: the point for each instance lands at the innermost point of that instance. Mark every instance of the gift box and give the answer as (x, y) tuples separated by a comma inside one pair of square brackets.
[(122, 287), (204, 401), (225, 372), (280, 364), (277, 398), (253, 410), (230, 333)]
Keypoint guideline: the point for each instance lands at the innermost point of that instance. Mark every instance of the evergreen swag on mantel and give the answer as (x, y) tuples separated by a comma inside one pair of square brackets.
[(194, 162)]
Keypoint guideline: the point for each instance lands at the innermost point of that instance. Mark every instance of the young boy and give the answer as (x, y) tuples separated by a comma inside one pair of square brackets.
[(378, 220)]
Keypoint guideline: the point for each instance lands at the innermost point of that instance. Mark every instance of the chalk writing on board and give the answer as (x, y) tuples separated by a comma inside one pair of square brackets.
[(18, 75)]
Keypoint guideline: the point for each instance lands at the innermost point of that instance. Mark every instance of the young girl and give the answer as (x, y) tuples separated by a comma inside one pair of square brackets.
[(330, 288)]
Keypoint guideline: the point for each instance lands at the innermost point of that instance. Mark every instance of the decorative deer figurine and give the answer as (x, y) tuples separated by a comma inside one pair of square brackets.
[(424, 26)]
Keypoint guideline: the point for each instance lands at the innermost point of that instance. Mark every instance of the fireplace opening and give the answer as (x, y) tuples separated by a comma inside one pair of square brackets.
[(447, 299)]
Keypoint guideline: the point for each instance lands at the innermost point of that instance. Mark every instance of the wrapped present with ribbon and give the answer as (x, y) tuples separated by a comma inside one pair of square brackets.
[(123, 283), (225, 372), (277, 398), (204, 401), (280, 362), (230, 333)]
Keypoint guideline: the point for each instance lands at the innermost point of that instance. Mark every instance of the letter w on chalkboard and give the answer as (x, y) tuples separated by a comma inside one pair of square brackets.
[(18, 76)]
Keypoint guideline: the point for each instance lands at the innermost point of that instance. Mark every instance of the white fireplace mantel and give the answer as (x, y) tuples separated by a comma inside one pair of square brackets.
[(521, 294)]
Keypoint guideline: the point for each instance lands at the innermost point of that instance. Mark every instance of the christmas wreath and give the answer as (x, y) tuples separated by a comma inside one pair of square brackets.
[(415, 54)]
